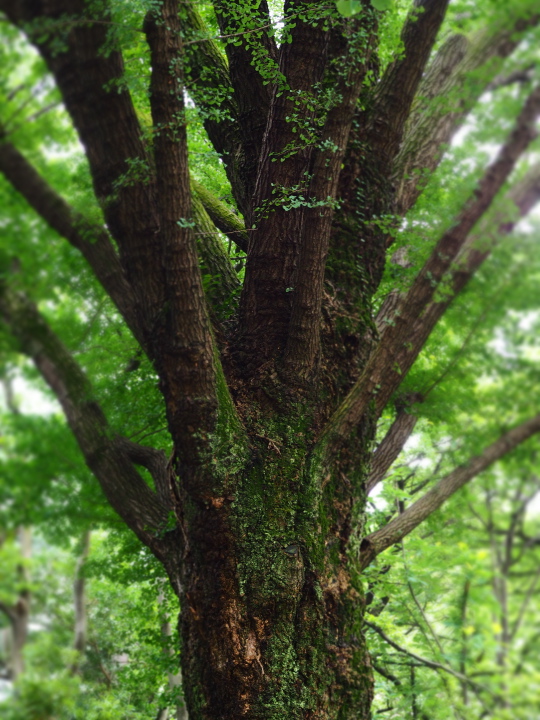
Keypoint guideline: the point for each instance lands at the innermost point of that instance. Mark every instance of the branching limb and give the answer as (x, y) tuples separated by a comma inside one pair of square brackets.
[(92, 241), (383, 373), (143, 511), (223, 218), (390, 447), (252, 62), (209, 84), (397, 89), (184, 355), (394, 531), (303, 341), (283, 193), (475, 250), (432, 124), (93, 90), (423, 661), (215, 262)]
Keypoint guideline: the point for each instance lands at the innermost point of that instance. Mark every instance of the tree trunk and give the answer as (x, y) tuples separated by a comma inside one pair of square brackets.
[(269, 586)]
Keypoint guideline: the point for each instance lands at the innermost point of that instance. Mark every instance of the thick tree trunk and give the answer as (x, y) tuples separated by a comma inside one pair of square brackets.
[(271, 599)]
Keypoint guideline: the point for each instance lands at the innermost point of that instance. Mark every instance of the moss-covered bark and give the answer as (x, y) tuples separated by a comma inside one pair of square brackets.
[(270, 593)]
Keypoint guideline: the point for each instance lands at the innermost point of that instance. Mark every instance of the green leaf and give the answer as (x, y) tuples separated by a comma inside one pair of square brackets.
[(381, 5), (348, 8)]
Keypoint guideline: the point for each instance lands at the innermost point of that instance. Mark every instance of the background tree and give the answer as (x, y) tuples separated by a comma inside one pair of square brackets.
[(261, 373)]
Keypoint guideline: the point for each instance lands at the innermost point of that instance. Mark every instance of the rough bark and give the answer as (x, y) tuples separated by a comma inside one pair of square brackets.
[(252, 67)]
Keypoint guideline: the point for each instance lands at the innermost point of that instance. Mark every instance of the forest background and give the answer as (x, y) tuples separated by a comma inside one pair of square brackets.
[(452, 618)]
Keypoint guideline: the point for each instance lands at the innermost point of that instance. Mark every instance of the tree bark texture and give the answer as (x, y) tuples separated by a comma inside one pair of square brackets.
[(272, 383)]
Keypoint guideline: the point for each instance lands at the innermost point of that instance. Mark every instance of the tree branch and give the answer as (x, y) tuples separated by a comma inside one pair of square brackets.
[(142, 510), (209, 84), (92, 241), (79, 603), (397, 89), (184, 357), (93, 90), (476, 249), (224, 282), (394, 531), (282, 192), (382, 375), (303, 340), (390, 447), (250, 60), (432, 124), (423, 661), (223, 218)]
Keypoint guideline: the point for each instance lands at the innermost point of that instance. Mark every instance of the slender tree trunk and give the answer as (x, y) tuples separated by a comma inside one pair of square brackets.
[(79, 603), (18, 614)]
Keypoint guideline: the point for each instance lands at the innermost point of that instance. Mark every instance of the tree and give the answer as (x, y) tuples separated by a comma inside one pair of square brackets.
[(271, 364)]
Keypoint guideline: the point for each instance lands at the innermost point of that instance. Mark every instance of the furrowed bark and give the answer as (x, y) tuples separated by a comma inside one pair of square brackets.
[(109, 130), (93, 242), (379, 378), (252, 63), (283, 193), (397, 89), (432, 123), (133, 500), (394, 531), (303, 341), (284, 162), (184, 358)]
